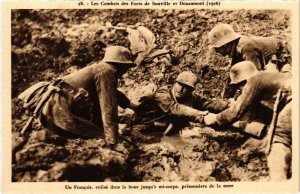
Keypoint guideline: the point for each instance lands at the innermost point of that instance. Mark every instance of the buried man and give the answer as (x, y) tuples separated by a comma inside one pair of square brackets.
[(84, 103), (260, 88), (171, 107)]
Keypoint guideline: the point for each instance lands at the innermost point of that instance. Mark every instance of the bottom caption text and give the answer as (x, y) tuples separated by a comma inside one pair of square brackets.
[(150, 187)]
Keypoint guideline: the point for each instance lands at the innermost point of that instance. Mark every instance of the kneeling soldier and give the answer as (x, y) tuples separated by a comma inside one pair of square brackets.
[(259, 89), (85, 103), (266, 53)]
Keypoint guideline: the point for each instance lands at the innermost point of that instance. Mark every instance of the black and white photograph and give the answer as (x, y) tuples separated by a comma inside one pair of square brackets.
[(151, 95)]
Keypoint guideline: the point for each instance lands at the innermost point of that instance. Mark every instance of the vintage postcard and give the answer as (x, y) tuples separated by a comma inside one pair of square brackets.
[(150, 96)]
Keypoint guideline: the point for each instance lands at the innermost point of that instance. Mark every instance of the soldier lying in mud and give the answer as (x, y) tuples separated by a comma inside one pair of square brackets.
[(171, 107), (260, 88)]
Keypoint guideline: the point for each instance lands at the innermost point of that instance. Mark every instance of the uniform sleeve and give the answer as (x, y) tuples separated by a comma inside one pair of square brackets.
[(106, 85), (241, 105), (167, 104), (122, 99), (251, 54), (214, 106)]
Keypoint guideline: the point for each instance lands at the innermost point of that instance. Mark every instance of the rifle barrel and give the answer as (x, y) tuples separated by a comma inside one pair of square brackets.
[(27, 124)]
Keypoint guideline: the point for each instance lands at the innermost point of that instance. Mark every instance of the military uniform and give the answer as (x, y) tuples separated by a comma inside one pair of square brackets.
[(83, 103), (258, 50), (162, 108), (267, 53), (260, 91), (100, 81)]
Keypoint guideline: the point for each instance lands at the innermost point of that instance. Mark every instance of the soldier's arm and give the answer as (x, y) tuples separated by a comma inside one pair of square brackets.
[(122, 99), (106, 85), (214, 106), (167, 104), (124, 102), (241, 105), (251, 54)]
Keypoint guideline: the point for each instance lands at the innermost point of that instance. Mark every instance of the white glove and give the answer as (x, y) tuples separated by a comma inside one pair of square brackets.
[(210, 119)]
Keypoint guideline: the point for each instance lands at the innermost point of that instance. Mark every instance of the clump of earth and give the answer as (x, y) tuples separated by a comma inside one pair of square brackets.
[(47, 44)]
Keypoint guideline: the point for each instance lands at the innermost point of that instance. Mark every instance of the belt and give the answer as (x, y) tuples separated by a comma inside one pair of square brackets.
[(76, 93)]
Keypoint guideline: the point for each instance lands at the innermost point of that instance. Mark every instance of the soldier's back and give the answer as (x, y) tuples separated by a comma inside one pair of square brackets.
[(85, 77)]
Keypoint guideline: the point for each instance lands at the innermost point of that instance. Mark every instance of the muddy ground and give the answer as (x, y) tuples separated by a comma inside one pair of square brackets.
[(47, 44)]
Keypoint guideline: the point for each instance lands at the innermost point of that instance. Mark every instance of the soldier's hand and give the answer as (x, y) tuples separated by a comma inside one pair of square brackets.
[(200, 116), (210, 119)]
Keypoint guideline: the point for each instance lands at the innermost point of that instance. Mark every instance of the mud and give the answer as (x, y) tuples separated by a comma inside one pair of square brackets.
[(47, 44)]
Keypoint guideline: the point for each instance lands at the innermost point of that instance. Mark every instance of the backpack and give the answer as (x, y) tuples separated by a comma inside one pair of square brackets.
[(33, 95)]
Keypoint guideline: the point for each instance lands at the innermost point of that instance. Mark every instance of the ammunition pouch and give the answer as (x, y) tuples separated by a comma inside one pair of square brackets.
[(79, 96)]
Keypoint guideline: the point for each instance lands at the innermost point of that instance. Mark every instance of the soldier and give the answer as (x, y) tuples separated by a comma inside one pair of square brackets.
[(259, 50), (260, 88), (172, 106), (265, 52), (85, 103)]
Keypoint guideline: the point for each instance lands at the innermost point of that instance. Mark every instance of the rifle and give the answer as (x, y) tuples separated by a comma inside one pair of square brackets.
[(272, 128)]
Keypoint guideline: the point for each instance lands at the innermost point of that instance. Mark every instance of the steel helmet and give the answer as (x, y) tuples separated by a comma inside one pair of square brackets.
[(242, 71), (187, 78), (118, 54), (221, 35)]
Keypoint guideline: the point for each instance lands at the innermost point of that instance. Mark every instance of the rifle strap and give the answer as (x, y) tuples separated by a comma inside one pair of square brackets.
[(274, 121)]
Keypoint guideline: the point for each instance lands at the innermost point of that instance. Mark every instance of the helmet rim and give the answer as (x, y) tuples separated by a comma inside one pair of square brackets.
[(118, 55), (222, 34), (186, 84), (242, 71), (187, 78)]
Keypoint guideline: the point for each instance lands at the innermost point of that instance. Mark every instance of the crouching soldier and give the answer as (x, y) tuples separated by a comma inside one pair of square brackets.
[(261, 88), (266, 53), (85, 103), (171, 107)]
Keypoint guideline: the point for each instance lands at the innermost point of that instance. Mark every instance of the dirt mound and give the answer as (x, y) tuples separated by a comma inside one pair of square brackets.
[(43, 159)]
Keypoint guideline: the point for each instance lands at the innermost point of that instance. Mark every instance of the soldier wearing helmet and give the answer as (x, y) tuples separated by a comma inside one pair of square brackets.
[(86, 102), (242, 71), (260, 88), (170, 107), (258, 50), (266, 53)]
